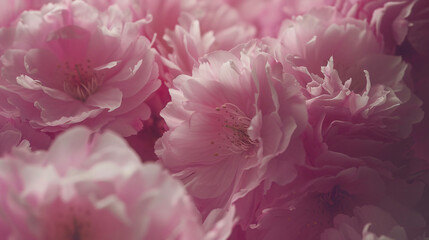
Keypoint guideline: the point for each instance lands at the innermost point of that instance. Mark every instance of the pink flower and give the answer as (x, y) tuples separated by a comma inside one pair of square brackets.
[(318, 199), (95, 63), (268, 15), (93, 186), (386, 18), (356, 96), (229, 121), (205, 27), (368, 223)]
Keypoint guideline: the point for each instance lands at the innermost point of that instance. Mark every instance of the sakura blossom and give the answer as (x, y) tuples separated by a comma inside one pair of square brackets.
[(228, 121), (94, 62), (93, 186), (309, 207), (205, 27), (365, 89), (375, 220), (214, 120)]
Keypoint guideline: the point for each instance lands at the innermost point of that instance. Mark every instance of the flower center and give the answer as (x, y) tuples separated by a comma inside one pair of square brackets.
[(316, 212), (234, 135), (69, 222), (80, 80), (334, 202)]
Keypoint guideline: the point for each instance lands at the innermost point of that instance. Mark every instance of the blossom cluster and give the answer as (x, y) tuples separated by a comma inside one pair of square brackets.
[(214, 120)]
